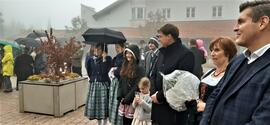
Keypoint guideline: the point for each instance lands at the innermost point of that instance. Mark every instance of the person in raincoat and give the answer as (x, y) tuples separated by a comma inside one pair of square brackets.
[(1, 73), (8, 66)]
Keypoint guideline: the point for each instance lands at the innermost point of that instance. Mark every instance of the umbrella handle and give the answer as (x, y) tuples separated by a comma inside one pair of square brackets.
[(104, 58)]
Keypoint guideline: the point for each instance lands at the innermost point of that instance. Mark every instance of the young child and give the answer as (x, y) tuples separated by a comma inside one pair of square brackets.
[(142, 104)]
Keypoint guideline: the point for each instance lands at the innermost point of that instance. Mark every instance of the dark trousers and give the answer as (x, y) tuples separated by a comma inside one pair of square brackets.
[(127, 121), (191, 115), (22, 77), (77, 70), (7, 84), (198, 118), (1, 81)]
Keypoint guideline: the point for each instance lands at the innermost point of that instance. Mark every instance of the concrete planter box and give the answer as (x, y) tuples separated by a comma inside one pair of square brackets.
[(51, 98)]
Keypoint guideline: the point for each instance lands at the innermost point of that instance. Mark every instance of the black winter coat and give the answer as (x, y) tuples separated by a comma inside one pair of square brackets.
[(128, 86), (23, 66), (117, 62), (175, 56), (198, 61)]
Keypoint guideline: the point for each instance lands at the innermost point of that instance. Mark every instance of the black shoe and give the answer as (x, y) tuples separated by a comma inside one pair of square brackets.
[(7, 91)]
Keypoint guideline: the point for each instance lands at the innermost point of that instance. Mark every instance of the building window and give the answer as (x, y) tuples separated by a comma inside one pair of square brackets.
[(133, 13), (193, 12), (166, 12), (138, 13), (190, 12), (220, 11), (217, 11)]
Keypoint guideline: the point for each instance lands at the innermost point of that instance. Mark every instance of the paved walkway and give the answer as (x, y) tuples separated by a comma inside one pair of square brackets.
[(9, 113)]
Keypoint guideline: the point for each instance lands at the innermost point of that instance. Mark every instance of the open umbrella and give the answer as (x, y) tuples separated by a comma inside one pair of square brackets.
[(12, 43), (29, 42), (103, 35), (35, 35)]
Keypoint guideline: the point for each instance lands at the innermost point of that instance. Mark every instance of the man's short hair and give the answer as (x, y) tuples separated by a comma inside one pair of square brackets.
[(193, 42), (259, 8), (170, 29)]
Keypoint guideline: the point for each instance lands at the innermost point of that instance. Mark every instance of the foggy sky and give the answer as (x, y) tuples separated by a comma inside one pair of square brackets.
[(39, 13)]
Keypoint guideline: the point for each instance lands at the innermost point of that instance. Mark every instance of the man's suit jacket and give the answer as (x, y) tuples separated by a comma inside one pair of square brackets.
[(249, 101)]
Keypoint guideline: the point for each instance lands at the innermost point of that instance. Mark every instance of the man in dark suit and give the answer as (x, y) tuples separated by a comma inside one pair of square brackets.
[(242, 97), (172, 56)]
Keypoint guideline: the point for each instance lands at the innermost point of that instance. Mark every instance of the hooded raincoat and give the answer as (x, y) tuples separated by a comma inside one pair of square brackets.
[(8, 61)]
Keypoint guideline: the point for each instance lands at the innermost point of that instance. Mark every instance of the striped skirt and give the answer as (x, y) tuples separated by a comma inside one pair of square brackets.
[(114, 118), (96, 106)]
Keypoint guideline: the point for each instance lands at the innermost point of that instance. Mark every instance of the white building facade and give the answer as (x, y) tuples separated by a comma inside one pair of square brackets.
[(132, 13)]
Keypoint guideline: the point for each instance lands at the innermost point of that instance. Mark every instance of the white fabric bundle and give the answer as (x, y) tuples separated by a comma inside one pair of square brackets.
[(180, 86)]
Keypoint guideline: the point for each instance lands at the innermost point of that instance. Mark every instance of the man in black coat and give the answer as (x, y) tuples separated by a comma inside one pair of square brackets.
[(198, 58), (173, 55), (23, 66)]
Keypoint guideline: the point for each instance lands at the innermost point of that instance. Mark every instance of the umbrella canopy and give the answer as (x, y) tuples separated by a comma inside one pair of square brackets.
[(103, 35), (29, 42), (12, 43), (35, 35)]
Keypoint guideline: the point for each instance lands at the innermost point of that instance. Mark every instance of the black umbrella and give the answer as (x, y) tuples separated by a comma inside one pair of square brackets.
[(35, 35), (103, 35), (30, 42)]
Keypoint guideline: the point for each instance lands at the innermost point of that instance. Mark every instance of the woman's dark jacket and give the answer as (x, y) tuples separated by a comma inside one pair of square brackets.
[(98, 70), (117, 62), (128, 86)]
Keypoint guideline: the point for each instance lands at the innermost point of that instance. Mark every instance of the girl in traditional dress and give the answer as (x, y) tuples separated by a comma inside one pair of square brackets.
[(98, 67), (114, 74)]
